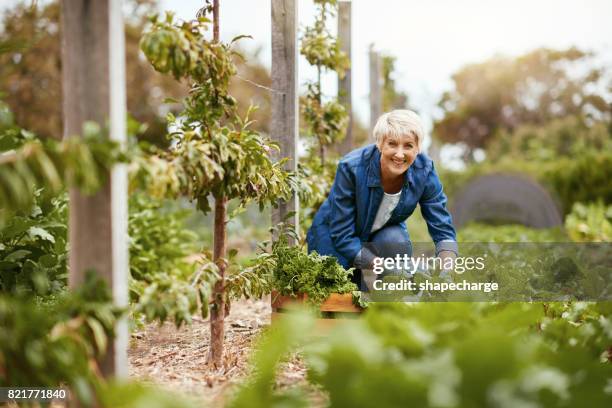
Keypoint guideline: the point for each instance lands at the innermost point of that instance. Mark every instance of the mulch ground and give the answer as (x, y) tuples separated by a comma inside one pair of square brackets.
[(175, 359)]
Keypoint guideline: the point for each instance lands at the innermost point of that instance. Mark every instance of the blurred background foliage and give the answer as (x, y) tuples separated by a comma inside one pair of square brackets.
[(392, 98), (504, 93), (546, 115), (30, 73)]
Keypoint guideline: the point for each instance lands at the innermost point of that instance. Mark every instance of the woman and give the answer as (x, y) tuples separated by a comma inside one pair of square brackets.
[(376, 188)]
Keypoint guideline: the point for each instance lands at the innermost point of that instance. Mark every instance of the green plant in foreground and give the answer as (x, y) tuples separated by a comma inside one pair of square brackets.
[(285, 335), (57, 341), (447, 355)]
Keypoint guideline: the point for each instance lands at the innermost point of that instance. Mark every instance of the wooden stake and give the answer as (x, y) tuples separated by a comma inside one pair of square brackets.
[(375, 88), (93, 80), (345, 94), (284, 127)]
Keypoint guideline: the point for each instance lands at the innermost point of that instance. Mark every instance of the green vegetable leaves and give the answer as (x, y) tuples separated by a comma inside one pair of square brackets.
[(296, 272)]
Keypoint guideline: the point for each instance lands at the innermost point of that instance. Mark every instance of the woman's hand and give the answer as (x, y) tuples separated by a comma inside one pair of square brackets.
[(448, 259)]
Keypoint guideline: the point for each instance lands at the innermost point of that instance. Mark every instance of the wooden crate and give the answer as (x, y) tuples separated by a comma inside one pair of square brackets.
[(335, 307)]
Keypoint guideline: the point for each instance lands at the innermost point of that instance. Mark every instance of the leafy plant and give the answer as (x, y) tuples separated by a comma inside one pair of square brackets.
[(449, 355), (569, 179), (296, 272), (27, 164), (285, 335), (318, 46), (214, 153), (590, 222), (567, 137), (132, 394), (165, 284), (33, 248), (325, 119), (584, 178), (461, 354), (57, 341), (475, 232), (159, 240)]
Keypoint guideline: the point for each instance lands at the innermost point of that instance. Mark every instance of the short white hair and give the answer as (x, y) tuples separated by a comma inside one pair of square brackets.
[(397, 123)]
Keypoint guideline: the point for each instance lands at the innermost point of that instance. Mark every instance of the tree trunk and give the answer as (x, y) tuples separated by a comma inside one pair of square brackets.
[(217, 312)]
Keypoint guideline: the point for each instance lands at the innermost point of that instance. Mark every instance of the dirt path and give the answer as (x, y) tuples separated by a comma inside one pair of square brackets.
[(175, 359)]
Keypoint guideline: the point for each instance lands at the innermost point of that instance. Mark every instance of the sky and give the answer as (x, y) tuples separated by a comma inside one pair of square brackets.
[(430, 39)]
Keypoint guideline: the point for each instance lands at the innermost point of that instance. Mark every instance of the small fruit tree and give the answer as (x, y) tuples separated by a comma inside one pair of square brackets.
[(326, 122), (325, 119), (214, 153)]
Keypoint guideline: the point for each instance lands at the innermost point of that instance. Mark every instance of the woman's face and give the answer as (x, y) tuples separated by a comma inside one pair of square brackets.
[(397, 154)]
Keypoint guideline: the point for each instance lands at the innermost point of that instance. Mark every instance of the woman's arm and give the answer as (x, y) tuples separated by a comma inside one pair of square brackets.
[(343, 213), (436, 215)]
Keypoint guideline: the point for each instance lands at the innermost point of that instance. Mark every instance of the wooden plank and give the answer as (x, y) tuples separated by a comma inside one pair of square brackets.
[(340, 303), (375, 87), (345, 93), (284, 126), (93, 74), (335, 303), (280, 301)]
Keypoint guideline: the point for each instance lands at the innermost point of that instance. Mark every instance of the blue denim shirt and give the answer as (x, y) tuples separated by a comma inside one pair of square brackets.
[(345, 219)]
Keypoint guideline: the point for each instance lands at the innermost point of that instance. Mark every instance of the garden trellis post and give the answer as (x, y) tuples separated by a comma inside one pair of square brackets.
[(344, 84), (375, 87), (93, 76), (284, 129)]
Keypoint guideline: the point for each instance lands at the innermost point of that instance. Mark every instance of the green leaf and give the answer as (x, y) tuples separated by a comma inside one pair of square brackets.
[(17, 255), (98, 333), (43, 234), (239, 37), (17, 226)]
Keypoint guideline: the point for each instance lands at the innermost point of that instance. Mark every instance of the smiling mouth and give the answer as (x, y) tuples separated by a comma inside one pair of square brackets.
[(399, 162)]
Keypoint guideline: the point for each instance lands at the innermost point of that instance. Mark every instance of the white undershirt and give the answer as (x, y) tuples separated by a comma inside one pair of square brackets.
[(387, 205)]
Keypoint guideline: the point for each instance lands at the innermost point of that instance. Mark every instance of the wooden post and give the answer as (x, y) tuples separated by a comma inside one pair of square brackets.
[(345, 94), (284, 129), (375, 88), (93, 71)]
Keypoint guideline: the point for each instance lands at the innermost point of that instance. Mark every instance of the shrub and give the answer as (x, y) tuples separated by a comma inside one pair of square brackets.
[(590, 222)]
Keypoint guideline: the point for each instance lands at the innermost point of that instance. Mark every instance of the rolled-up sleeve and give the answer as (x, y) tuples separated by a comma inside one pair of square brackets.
[(436, 215), (343, 213)]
